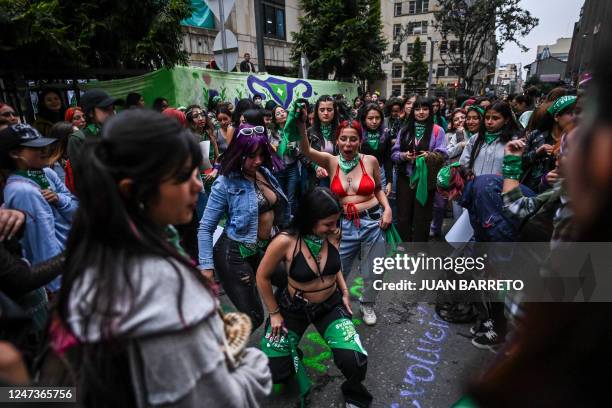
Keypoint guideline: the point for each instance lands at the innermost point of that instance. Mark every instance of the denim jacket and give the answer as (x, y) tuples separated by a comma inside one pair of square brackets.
[(234, 196)]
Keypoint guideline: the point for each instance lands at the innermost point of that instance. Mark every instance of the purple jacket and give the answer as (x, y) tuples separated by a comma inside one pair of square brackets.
[(437, 143)]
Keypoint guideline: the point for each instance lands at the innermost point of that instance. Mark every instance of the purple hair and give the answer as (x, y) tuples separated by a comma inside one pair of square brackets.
[(242, 145)]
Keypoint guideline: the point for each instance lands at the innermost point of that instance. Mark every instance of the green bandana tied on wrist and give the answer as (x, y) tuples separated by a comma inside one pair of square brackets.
[(290, 132), (314, 244), (419, 178), (173, 238), (419, 132), (373, 139), (491, 137), (444, 175), (326, 131), (347, 165), (511, 168), (37, 176)]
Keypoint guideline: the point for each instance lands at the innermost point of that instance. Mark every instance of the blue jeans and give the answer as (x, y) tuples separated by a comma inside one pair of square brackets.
[(367, 242), (289, 180), (201, 204)]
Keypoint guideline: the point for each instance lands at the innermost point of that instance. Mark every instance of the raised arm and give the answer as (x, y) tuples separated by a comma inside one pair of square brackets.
[(322, 159)]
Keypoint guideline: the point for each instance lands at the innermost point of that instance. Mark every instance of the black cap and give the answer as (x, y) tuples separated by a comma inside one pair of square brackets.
[(97, 98), (22, 135)]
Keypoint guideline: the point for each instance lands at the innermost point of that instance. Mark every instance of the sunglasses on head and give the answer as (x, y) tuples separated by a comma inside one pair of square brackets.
[(8, 114), (260, 130)]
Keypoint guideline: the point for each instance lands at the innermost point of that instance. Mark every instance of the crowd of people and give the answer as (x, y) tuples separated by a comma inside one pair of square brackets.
[(117, 236)]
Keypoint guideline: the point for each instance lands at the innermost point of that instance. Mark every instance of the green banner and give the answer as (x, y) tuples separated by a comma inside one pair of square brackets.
[(183, 86)]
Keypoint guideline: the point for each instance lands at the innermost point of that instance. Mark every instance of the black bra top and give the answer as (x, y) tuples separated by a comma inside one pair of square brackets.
[(263, 204), (301, 272)]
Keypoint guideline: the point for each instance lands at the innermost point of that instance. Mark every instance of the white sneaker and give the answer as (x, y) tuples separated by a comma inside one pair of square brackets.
[(367, 313)]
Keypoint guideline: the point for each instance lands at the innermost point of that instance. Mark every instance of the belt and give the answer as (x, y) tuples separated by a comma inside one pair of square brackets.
[(351, 213)]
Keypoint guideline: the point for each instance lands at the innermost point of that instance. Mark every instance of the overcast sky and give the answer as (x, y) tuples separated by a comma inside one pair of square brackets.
[(557, 18)]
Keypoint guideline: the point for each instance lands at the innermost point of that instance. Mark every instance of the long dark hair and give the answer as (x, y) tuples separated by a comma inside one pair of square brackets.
[(509, 131), (60, 131), (47, 114), (111, 231), (316, 125), (407, 133), (318, 204), (132, 99), (242, 106), (364, 114)]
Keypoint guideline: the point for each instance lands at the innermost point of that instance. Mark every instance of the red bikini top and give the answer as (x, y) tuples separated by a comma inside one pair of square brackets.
[(366, 185)]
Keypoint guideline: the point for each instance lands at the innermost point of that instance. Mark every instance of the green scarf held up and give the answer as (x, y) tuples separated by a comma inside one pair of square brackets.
[(290, 132), (491, 137), (314, 244), (419, 132), (373, 139), (419, 178), (37, 176), (347, 165)]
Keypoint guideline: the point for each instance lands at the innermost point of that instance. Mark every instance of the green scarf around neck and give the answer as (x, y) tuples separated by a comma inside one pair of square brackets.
[(373, 139), (314, 244), (37, 176), (491, 137), (173, 238), (419, 132), (326, 131), (347, 165)]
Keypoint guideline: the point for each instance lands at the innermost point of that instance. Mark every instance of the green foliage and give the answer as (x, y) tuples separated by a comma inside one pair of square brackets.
[(416, 72), (114, 34), (342, 38), (477, 26)]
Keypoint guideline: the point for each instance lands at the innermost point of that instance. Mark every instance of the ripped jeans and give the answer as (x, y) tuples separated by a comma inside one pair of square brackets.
[(237, 276)]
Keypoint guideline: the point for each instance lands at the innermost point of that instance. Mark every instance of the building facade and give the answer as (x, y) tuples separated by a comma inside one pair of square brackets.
[(508, 79), (551, 61), (592, 29), (418, 17), (280, 19)]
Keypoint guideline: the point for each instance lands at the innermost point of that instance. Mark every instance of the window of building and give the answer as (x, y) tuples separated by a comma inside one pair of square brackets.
[(418, 6), (396, 71), (410, 48), (453, 70), (274, 19), (441, 71), (417, 27), (396, 48), (443, 47), (396, 90), (454, 47), (397, 30), (397, 9)]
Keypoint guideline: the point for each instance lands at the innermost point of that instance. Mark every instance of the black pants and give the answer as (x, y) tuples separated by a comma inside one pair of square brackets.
[(413, 219), (298, 316), (237, 276)]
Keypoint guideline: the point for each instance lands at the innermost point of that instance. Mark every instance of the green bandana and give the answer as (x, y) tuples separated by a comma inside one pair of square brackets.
[(419, 130), (93, 129), (173, 238), (560, 104), (326, 131), (290, 132), (373, 139), (478, 109), (248, 250), (491, 137), (512, 167), (347, 165), (444, 175), (419, 178), (314, 244), (37, 176)]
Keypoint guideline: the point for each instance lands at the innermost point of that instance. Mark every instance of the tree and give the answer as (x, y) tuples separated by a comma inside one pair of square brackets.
[(341, 38), (416, 72), (476, 26), (72, 35)]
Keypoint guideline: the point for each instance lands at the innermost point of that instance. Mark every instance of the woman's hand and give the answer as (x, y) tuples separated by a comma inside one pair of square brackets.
[(321, 173), (346, 301), (277, 323), (386, 219), (208, 274), (11, 222), (50, 196), (423, 154), (388, 189), (211, 176), (406, 156), (544, 150), (552, 177), (515, 148)]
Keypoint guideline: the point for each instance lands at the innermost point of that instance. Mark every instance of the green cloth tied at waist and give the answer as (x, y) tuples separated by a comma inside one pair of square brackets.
[(248, 250), (419, 178)]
